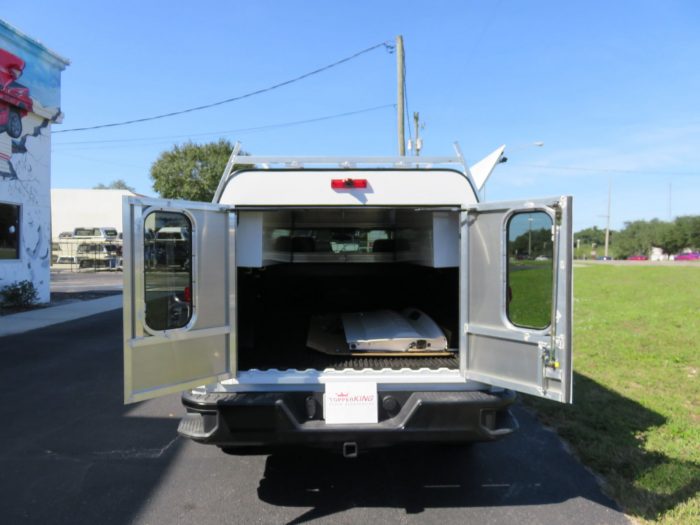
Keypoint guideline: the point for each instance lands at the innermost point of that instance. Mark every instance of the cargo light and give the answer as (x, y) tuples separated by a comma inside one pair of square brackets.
[(346, 184)]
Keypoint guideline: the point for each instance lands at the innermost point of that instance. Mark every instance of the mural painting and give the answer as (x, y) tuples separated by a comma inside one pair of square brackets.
[(29, 104)]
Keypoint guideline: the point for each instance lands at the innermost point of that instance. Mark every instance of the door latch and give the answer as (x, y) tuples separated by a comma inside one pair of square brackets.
[(552, 367)]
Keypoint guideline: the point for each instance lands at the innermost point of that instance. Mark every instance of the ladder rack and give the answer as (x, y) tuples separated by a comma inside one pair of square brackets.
[(294, 163)]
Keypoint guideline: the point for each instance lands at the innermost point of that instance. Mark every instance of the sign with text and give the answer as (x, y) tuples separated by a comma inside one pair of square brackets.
[(348, 403)]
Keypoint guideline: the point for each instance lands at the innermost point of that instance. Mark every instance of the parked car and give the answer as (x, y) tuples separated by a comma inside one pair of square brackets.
[(102, 232), (98, 254), (637, 258), (172, 247), (605, 258), (690, 256)]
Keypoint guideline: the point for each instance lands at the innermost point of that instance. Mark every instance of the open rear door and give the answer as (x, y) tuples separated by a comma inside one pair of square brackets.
[(516, 296), (179, 287)]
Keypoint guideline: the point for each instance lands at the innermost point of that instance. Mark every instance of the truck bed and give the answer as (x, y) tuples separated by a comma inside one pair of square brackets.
[(277, 305), (302, 358)]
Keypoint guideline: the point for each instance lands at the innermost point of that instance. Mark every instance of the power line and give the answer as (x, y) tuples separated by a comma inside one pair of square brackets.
[(385, 45), (230, 131)]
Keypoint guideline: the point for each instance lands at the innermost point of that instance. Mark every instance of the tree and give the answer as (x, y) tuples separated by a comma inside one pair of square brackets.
[(687, 230), (532, 243), (635, 238), (119, 184), (590, 236), (638, 237), (192, 171)]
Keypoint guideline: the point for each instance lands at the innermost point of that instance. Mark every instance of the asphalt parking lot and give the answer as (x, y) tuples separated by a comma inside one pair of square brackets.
[(77, 281), (71, 452)]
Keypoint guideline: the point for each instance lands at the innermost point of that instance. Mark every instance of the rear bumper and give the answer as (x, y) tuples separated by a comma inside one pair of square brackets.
[(254, 419)]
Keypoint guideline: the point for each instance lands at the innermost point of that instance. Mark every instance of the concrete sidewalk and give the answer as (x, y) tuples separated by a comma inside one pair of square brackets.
[(42, 317)]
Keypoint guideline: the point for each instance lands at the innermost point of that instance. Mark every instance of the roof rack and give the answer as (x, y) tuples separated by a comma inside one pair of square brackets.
[(266, 163)]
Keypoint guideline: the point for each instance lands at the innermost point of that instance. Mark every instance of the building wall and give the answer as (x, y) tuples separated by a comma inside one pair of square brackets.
[(73, 208), (25, 161)]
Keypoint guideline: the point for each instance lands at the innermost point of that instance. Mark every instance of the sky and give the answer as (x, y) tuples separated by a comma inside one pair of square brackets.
[(610, 88)]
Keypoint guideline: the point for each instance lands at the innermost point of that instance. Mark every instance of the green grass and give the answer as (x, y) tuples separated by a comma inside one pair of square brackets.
[(531, 293), (636, 412)]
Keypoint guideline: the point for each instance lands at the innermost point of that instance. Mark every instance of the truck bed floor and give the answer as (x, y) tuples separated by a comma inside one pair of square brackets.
[(303, 359)]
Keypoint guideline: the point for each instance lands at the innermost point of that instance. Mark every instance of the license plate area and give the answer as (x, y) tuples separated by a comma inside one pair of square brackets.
[(350, 403)]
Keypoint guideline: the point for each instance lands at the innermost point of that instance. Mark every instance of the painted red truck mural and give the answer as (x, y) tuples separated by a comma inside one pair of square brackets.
[(15, 101)]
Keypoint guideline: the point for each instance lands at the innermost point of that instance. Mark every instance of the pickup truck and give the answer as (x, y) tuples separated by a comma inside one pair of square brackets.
[(349, 303)]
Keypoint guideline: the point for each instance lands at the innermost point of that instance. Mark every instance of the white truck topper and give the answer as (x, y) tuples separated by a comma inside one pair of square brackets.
[(492, 350), (278, 188)]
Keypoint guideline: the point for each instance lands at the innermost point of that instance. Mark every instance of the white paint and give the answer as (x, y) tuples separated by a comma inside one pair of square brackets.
[(385, 188), (350, 403), (25, 161), (482, 170), (249, 240), (445, 240), (74, 208), (27, 184)]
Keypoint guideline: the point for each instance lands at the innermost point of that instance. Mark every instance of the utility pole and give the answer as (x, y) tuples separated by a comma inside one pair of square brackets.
[(607, 226), (400, 69), (419, 144)]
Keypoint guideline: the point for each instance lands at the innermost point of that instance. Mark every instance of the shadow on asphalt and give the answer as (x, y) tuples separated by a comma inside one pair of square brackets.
[(502, 473), (71, 452)]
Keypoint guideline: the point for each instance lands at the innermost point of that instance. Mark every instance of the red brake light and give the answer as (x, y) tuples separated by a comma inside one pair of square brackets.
[(188, 295), (345, 184)]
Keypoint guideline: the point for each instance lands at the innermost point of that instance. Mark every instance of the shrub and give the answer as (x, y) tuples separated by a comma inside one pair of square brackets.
[(20, 294)]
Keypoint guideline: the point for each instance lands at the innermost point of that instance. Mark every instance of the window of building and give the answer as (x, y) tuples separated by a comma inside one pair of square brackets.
[(9, 231)]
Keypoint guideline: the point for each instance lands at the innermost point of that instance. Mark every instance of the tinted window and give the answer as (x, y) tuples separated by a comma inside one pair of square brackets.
[(530, 270), (9, 231), (168, 271)]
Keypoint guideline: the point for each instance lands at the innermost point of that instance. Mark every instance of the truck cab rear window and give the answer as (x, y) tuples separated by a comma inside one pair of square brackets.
[(167, 270)]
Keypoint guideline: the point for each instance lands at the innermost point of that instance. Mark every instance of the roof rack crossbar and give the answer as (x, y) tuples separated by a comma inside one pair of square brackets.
[(267, 163)]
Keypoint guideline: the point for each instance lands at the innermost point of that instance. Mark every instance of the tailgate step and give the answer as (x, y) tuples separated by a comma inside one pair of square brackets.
[(194, 426)]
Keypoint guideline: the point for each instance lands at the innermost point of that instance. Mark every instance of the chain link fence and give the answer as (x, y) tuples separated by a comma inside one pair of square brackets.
[(86, 254)]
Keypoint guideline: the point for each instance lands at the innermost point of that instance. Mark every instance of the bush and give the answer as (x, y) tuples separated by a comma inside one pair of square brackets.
[(20, 294)]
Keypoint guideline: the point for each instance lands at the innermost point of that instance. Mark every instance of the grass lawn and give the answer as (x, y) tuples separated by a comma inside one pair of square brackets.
[(530, 285), (636, 412)]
